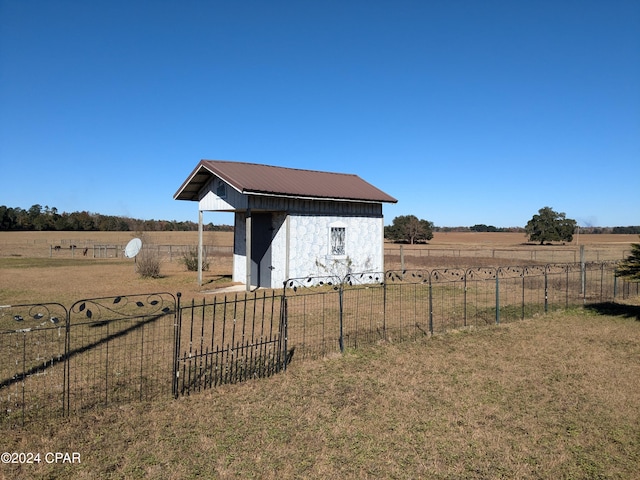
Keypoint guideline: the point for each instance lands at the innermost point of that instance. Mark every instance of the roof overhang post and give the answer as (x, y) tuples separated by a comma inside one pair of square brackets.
[(248, 247), (200, 248)]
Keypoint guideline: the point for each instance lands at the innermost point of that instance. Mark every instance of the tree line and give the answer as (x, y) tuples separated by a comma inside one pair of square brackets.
[(546, 226), (39, 218)]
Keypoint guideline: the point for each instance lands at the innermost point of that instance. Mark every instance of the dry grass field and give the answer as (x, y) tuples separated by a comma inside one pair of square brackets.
[(464, 249), (513, 239), (554, 397), (32, 271), (551, 397)]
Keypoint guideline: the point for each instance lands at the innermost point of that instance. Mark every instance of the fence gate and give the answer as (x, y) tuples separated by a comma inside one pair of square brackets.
[(229, 341)]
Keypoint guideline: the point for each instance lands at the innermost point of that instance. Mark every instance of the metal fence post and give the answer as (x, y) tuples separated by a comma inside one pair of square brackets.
[(566, 288), (384, 309), (583, 279), (546, 289), (340, 291), (523, 294), (66, 366), (284, 329), (465, 298), (23, 375), (583, 273), (497, 296), (430, 306), (177, 328)]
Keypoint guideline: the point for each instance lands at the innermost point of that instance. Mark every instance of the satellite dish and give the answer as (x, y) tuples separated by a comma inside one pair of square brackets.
[(133, 248)]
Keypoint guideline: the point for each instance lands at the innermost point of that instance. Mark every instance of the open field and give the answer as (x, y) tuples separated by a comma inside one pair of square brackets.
[(460, 249), (31, 271), (553, 397), (512, 239), (39, 244)]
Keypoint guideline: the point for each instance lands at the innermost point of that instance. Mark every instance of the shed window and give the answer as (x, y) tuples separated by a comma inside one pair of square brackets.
[(338, 235)]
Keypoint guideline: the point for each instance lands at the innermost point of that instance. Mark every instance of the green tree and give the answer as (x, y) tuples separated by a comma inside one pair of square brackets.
[(550, 226), (629, 268), (410, 229), (483, 228), (8, 218)]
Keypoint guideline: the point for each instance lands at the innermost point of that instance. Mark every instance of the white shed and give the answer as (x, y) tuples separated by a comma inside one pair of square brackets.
[(294, 223)]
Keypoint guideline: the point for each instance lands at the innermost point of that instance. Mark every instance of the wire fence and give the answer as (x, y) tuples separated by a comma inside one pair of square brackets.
[(540, 255), (57, 361), (525, 253), (98, 250)]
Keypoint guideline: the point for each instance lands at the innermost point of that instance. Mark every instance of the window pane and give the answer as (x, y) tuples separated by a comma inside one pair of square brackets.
[(337, 240)]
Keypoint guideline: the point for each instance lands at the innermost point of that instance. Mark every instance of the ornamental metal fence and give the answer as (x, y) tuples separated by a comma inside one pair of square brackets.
[(98, 352), (56, 361), (327, 314)]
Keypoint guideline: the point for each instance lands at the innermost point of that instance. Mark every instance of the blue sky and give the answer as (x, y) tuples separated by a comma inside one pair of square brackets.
[(467, 112)]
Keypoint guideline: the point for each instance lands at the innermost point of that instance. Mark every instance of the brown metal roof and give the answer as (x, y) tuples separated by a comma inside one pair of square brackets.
[(257, 179)]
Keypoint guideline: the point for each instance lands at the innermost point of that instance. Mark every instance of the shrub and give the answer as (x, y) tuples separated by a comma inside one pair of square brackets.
[(190, 259), (148, 263)]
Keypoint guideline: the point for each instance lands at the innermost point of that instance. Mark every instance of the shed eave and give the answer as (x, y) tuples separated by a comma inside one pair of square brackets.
[(194, 184), (191, 187), (317, 198)]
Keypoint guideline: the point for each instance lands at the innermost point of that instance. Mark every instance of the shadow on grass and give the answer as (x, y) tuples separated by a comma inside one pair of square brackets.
[(616, 309)]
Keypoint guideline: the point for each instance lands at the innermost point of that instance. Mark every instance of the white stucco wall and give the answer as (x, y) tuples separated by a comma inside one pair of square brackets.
[(310, 245)]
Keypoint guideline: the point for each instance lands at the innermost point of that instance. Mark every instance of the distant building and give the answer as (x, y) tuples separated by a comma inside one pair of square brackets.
[(295, 223)]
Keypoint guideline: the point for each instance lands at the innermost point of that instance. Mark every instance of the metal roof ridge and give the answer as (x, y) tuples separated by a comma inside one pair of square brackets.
[(280, 167)]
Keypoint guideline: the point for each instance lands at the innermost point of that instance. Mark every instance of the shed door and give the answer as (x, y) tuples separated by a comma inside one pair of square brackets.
[(261, 238)]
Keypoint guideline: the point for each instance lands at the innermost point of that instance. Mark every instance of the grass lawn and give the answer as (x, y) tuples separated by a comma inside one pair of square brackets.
[(553, 397)]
